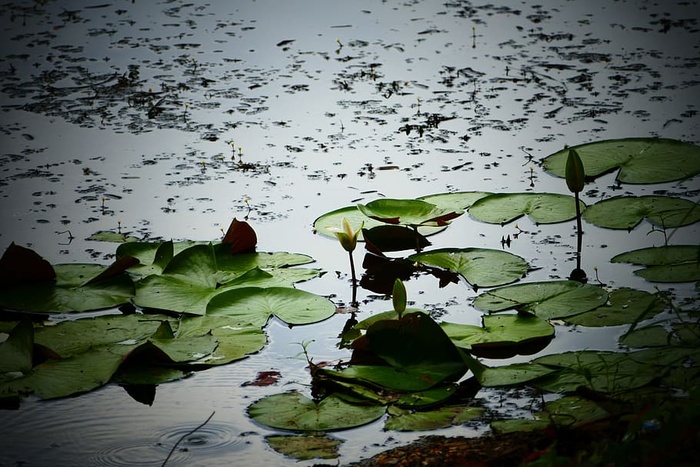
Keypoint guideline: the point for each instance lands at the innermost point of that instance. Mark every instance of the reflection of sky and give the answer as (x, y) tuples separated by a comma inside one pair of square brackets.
[(318, 140)]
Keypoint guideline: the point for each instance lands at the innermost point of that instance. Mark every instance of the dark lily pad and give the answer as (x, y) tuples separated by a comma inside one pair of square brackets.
[(673, 263), (71, 291), (640, 160), (626, 212), (18, 349), (480, 267), (548, 300), (606, 372), (542, 208), (408, 354), (295, 412)]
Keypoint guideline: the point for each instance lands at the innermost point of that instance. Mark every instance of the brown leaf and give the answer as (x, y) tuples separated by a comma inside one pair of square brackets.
[(241, 236), (20, 265)]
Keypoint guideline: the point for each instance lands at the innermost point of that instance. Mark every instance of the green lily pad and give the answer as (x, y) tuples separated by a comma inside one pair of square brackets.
[(305, 447), (325, 223), (296, 412), (112, 237), (640, 160), (234, 342), (626, 212), (624, 306), (17, 350), (513, 425), (413, 212), (384, 396), (548, 300), (444, 417), (542, 208), (499, 331), (510, 375), (254, 306), (480, 267), (71, 291), (458, 201), (673, 263), (607, 372), (153, 256)]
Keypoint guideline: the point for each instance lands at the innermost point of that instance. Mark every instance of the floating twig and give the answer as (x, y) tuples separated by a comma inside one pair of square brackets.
[(185, 436)]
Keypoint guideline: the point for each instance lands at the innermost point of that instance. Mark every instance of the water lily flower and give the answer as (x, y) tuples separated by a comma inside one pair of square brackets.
[(346, 236)]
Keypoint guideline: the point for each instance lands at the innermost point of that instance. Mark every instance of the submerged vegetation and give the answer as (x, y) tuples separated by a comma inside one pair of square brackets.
[(188, 306)]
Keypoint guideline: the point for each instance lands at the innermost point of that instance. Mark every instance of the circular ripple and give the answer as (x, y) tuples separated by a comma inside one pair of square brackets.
[(213, 436)]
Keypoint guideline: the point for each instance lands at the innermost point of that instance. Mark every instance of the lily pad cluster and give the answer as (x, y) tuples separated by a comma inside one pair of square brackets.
[(420, 374), (185, 306)]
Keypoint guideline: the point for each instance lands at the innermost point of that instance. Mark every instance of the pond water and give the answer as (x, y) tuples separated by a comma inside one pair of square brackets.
[(136, 116)]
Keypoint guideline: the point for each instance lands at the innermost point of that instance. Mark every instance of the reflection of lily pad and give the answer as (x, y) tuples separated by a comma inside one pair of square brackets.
[(296, 412), (542, 208), (479, 266), (408, 212), (625, 212), (673, 263), (641, 160), (552, 299), (624, 306), (499, 331)]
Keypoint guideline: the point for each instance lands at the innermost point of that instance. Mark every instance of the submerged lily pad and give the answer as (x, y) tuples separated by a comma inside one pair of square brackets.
[(412, 212), (673, 263), (296, 412), (305, 447), (542, 208), (499, 331), (423, 420), (548, 300), (626, 212), (640, 160), (480, 267)]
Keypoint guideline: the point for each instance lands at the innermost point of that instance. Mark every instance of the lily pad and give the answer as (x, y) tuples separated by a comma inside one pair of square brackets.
[(607, 372), (305, 447), (640, 160), (71, 291), (18, 349), (480, 267), (417, 353), (296, 412), (255, 305), (412, 212), (548, 300), (326, 223), (542, 208), (626, 212), (624, 306), (499, 331), (673, 263), (458, 201), (423, 420)]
